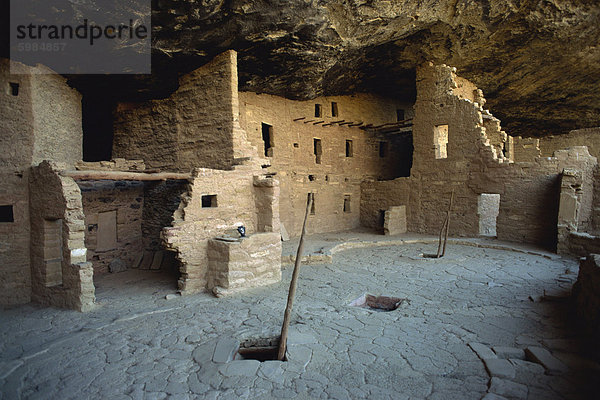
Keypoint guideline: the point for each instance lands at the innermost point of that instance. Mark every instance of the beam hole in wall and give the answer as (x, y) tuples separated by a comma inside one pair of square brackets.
[(14, 88), (6, 214), (209, 201), (399, 114), (267, 136), (334, 109), (347, 203), (317, 150), (488, 208), (318, 110), (296, 145), (349, 149), (311, 178), (383, 149), (440, 141), (326, 178), (53, 252)]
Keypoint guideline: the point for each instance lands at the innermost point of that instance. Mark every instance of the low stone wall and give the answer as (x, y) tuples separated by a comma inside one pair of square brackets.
[(586, 293), (243, 263)]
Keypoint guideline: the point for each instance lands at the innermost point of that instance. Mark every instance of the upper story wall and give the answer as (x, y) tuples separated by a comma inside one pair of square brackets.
[(40, 117), (193, 128), (289, 134), (589, 137)]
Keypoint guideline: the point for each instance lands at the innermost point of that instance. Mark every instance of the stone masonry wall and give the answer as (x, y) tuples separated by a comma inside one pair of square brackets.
[(336, 178), (589, 137), (216, 203), (54, 134), (126, 199), (61, 276), (470, 164), (191, 129)]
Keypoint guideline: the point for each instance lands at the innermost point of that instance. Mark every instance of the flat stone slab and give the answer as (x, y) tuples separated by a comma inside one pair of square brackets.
[(493, 396), (542, 356), (482, 351), (508, 389), (499, 367), (509, 352), (225, 350)]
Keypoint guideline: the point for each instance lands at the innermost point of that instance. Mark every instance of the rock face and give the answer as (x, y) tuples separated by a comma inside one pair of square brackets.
[(538, 61)]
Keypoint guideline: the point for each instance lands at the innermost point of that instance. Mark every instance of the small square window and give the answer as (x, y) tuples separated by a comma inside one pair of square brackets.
[(209, 201), (349, 150), (334, 109), (14, 88), (6, 214), (318, 110)]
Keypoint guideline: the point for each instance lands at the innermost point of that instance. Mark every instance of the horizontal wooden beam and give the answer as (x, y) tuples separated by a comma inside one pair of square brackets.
[(124, 176)]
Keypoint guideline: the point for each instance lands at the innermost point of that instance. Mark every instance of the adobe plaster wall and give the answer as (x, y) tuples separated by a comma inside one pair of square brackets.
[(337, 176)]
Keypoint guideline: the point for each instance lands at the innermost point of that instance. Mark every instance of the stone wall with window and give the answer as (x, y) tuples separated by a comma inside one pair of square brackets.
[(318, 146)]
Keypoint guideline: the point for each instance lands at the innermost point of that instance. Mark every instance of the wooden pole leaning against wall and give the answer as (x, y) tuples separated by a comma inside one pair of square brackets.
[(444, 231), (293, 285)]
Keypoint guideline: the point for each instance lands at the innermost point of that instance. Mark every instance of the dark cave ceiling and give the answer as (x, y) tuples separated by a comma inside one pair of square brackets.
[(538, 61)]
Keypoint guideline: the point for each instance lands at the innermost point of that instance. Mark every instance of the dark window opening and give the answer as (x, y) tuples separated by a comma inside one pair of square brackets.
[(296, 145), (326, 178), (381, 220), (209, 200), (311, 178), (14, 88), (399, 115), (349, 150), (6, 214), (383, 149), (317, 150), (318, 110), (334, 109), (347, 203), (97, 123), (267, 137)]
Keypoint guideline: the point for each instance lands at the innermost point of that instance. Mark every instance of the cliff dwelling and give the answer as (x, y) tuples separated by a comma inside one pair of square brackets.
[(150, 224)]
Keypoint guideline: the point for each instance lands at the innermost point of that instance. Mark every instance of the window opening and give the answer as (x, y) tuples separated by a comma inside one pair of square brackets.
[(209, 201), (267, 137)]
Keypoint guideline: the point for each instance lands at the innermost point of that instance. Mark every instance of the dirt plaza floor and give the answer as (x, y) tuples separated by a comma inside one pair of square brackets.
[(489, 320)]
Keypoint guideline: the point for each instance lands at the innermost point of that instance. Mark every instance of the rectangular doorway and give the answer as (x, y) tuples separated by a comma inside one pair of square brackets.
[(488, 208)]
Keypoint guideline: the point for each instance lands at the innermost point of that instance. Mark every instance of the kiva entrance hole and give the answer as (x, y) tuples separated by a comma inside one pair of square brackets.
[(378, 303), (260, 349)]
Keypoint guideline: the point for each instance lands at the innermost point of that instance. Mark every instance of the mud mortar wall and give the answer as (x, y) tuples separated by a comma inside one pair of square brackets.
[(337, 176), (191, 129)]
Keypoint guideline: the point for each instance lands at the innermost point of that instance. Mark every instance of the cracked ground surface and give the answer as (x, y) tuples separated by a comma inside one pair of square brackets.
[(139, 345)]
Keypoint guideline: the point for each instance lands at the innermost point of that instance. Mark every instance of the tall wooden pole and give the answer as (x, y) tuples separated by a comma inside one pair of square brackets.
[(448, 223), (293, 285)]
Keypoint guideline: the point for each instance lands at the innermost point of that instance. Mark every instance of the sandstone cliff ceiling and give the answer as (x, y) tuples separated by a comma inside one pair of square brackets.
[(538, 61)]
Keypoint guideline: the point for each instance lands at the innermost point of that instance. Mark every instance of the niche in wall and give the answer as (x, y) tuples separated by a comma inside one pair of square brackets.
[(6, 214), (13, 88), (347, 202)]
